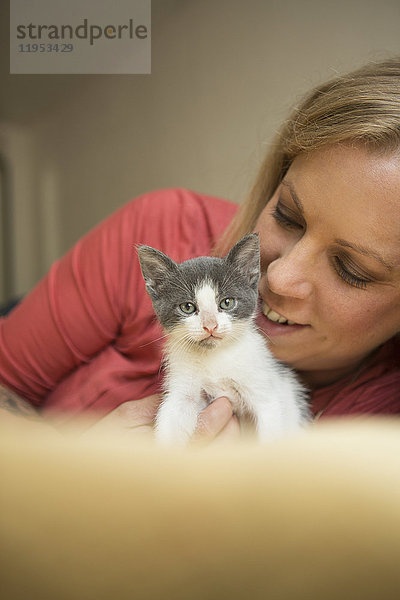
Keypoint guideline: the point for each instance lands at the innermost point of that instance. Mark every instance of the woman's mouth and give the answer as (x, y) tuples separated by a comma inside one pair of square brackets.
[(274, 324), (275, 317)]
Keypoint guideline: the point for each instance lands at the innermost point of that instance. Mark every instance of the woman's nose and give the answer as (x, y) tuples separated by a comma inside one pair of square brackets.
[(292, 273)]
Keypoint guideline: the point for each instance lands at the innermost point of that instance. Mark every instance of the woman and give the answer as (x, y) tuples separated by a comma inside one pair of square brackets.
[(327, 209)]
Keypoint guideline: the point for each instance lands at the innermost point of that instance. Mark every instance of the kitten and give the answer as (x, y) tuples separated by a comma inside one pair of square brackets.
[(207, 307)]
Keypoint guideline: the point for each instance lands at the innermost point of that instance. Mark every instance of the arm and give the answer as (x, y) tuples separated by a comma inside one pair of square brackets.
[(78, 340), (69, 317), (85, 339)]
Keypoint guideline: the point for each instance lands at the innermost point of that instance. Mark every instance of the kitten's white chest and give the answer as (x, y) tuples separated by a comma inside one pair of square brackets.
[(243, 371), (233, 372)]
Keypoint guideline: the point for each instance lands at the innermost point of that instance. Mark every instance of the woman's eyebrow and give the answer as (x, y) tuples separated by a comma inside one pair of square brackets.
[(295, 197), (340, 242)]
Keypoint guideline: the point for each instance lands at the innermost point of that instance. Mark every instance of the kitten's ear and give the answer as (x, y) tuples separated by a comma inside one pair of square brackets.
[(156, 268), (245, 256)]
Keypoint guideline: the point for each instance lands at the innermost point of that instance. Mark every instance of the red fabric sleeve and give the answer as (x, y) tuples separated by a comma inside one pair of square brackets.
[(84, 338)]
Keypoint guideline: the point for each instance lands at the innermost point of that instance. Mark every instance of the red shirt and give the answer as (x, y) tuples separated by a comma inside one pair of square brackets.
[(86, 339)]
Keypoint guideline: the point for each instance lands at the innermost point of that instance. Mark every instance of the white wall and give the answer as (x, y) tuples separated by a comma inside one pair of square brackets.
[(224, 74)]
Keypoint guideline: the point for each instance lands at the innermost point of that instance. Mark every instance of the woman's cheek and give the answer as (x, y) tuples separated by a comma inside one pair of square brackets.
[(355, 320)]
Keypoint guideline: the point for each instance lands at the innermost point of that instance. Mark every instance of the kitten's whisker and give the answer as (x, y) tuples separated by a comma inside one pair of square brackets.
[(261, 332), (154, 341), (163, 365), (187, 341), (182, 343)]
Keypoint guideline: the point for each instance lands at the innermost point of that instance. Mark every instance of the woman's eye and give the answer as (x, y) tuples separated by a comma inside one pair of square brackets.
[(348, 277), (227, 303), (188, 308), (285, 219)]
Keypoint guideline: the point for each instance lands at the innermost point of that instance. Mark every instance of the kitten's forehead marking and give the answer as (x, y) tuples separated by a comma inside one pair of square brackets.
[(205, 298)]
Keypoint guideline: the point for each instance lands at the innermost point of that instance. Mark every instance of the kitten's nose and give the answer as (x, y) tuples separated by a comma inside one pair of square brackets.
[(210, 328)]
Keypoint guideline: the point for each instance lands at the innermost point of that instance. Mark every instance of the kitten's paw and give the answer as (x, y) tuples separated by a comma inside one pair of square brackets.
[(176, 421), (172, 429), (171, 436)]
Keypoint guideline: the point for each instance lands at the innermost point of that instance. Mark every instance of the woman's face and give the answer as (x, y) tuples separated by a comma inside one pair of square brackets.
[(330, 260)]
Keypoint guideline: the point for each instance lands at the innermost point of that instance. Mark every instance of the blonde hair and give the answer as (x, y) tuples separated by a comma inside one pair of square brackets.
[(362, 107)]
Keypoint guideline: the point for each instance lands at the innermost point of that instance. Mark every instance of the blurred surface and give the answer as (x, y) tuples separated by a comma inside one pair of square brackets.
[(312, 517)]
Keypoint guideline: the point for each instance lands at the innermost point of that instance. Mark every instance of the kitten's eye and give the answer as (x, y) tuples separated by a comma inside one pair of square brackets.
[(227, 303), (187, 308)]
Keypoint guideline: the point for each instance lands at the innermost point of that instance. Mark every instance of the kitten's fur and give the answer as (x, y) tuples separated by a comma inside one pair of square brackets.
[(237, 364)]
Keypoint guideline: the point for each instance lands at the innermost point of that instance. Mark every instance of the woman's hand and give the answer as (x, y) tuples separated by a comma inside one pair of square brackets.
[(136, 417)]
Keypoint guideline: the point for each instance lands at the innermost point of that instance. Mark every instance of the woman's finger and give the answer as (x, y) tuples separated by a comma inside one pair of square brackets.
[(213, 419), (231, 430)]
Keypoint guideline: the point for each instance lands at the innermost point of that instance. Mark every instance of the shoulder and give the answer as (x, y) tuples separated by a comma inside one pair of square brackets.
[(182, 196), (180, 222), (168, 202)]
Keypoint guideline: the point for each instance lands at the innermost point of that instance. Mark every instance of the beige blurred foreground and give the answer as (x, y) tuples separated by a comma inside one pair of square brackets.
[(317, 516)]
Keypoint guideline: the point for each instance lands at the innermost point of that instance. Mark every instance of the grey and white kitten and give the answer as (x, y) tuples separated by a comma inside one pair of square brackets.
[(207, 307)]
